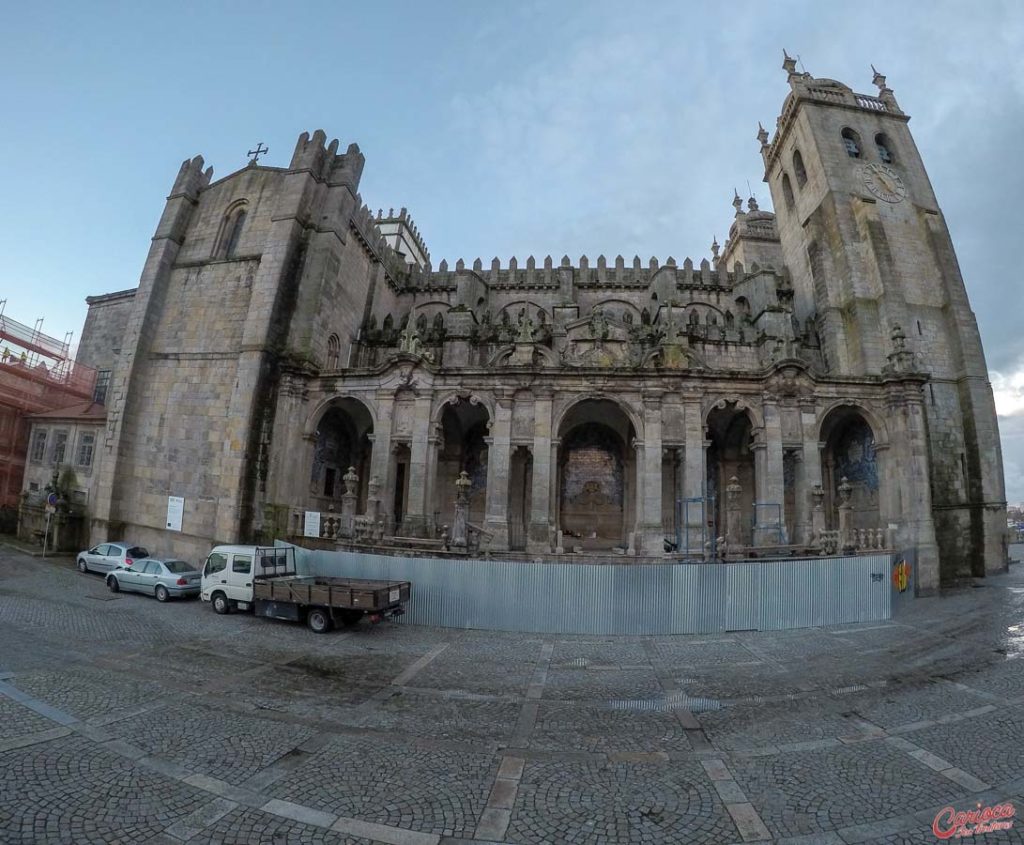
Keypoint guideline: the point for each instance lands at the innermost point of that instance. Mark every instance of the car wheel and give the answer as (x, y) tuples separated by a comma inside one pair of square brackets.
[(319, 620), (220, 603), (82, 565), (113, 585), (161, 593)]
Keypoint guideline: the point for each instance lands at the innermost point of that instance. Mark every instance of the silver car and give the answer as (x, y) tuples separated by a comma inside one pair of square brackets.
[(108, 556), (161, 578)]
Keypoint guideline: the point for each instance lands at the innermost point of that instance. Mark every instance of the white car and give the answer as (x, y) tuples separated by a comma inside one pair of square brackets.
[(106, 557)]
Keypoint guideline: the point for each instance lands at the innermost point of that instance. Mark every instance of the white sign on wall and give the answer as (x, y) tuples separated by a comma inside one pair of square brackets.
[(312, 526), (175, 511)]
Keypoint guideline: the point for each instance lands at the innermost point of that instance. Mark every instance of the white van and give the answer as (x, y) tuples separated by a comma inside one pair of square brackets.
[(229, 570)]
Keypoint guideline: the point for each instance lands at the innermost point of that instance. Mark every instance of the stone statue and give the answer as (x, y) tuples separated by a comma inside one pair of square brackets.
[(525, 328), (460, 534)]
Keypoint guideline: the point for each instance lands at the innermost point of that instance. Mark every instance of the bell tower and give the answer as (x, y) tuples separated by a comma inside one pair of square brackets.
[(868, 250)]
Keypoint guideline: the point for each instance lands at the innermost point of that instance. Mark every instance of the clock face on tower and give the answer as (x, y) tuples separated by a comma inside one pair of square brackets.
[(883, 182)]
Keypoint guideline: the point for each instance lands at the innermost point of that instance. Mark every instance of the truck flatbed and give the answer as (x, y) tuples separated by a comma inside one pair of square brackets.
[(366, 595)]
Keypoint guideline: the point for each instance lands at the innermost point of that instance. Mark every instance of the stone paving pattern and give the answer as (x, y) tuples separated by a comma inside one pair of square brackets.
[(125, 720)]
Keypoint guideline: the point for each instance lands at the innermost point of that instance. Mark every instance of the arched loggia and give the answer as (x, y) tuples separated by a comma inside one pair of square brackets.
[(341, 440)]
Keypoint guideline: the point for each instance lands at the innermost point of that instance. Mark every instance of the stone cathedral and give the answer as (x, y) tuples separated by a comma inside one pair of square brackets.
[(817, 385)]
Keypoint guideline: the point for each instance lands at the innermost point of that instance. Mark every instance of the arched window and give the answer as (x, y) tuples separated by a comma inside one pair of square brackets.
[(798, 169), (851, 140), (333, 352), (787, 191), (884, 149), (231, 231)]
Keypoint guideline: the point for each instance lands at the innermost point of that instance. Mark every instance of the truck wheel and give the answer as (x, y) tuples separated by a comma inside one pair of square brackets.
[(220, 603), (319, 620), (161, 593)]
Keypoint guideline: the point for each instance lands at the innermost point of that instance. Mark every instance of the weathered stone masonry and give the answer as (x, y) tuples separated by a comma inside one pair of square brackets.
[(821, 375)]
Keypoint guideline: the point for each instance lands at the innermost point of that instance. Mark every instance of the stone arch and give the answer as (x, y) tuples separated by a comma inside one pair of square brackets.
[(853, 445), (462, 424), (731, 427), (877, 423), (512, 309), (313, 417), (340, 431), (230, 231), (596, 483), (741, 403), (618, 308), (453, 397), (578, 398)]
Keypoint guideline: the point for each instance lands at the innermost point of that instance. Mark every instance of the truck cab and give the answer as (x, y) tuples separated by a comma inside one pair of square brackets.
[(229, 570)]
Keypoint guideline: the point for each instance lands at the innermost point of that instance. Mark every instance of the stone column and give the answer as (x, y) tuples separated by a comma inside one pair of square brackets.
[(433, 492), (348, 503), (541, 517), (380, 458), (652, 534), (373, 499), (809, 478), (918, 527), (415, 522), (555, 491), (460, 535), (770, 521), (498, 459), (695, 516)]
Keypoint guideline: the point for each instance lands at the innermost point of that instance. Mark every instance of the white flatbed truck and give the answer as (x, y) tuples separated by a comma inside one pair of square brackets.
[(264, 580)]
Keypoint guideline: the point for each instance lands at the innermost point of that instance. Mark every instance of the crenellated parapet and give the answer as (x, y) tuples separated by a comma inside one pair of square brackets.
[(584, 274), (314, 154), (191, 178), (402, 235)]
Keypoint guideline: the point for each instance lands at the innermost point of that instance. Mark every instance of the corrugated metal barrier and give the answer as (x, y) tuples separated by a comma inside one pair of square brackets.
[(580, 598)]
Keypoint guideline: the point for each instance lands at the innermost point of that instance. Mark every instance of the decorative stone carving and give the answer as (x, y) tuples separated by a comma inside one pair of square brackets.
[(460, 524), (348, 504)]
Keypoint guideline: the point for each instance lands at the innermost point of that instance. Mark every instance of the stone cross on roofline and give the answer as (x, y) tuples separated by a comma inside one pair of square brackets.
[(255, 154)]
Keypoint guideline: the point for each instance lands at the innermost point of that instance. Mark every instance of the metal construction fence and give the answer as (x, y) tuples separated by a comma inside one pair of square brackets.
[(580, 598)]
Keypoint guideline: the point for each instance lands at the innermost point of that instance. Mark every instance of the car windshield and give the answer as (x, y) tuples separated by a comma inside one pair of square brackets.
[(178, 567), (137, 551)]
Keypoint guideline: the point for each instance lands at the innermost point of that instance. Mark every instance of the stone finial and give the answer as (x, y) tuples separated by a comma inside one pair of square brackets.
[(351, 479), (715, 247), (899, 339), (878, 80), (788, 62), (734, 488), (752, 204), (845, 490), (462, 485), (818, 497), (737, 203), (762, 136)]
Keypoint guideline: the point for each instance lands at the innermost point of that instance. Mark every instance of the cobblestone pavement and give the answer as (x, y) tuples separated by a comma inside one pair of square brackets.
[(123, 720)]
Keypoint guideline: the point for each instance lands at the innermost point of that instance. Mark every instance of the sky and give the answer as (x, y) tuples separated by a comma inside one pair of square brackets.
[(507, 129)]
